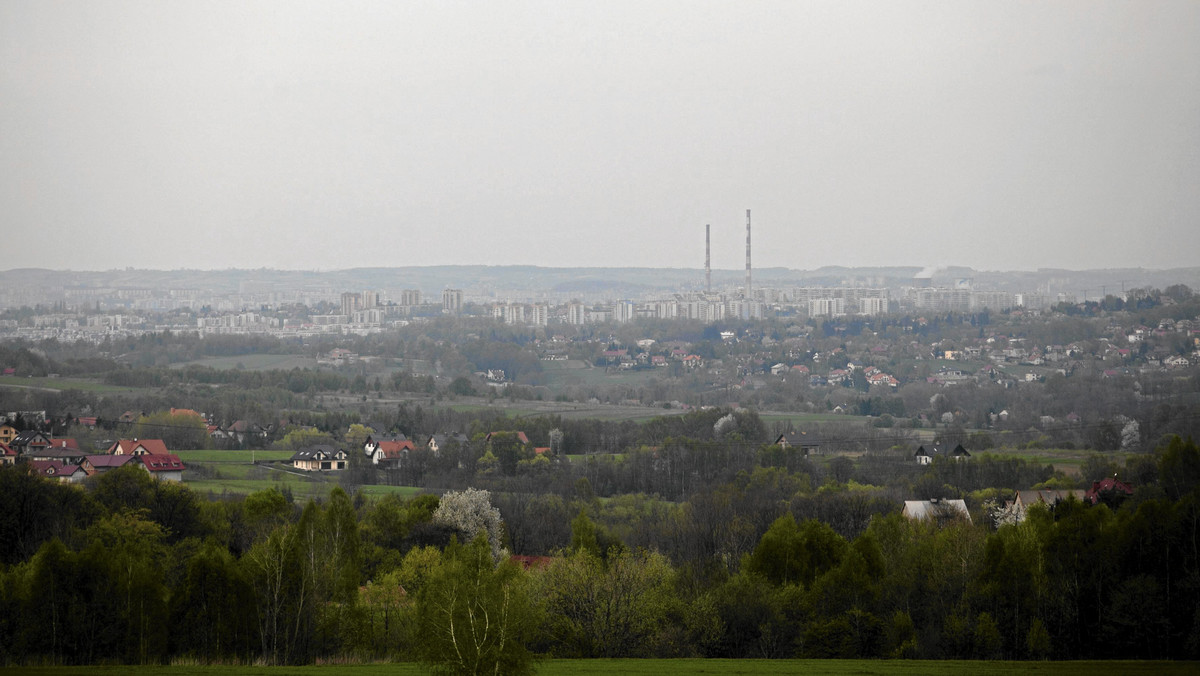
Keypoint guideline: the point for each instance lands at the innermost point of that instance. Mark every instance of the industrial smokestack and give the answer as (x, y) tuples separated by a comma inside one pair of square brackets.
[(748, 294), (707, 261)]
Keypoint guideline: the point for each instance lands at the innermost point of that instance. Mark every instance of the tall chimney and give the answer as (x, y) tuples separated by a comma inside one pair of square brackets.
[(707, 261), (749, 296)]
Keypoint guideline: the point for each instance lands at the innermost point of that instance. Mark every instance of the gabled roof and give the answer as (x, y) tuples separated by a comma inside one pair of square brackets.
[(395, 449), (520, 435), (5, 450), (320, 452), (65, 443), (31, 438), (798, 439), (921, 451), (129, 446), (935, 509), (165, 462), (53, 468), (106, 461), (1048, 497)]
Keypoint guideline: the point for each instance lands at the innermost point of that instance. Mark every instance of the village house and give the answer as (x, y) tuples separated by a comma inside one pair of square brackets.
[(807, 444), (57, 471), (940, 510), (319, 458), (162, 466), (138, 447)]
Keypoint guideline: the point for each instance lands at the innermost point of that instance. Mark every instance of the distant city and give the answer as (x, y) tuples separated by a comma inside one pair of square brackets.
[(96, 305)]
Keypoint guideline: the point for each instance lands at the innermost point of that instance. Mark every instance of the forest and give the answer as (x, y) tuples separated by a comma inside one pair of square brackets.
[(758, 564)]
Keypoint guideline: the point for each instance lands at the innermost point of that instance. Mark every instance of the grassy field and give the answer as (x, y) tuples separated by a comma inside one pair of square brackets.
[(60, 384), (301, 489), (254, 362), (600, 667), (234, 456)]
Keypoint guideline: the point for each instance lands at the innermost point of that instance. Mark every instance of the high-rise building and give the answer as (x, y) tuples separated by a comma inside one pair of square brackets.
[(452, 300)]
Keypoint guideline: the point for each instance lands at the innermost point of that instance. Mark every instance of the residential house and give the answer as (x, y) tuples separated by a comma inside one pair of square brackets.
[(105, 462), (1016, 509), (520, 436), (940, 510), (138, 447), (808, 444), (7, 455), (922, 456), (389, 452), (162, 466), (1111, 491), (7, 433), (319, 458), (54, 470), (437, 442), (28, 442)]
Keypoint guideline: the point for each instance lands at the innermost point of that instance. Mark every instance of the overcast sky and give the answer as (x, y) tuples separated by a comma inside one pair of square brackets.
[(297, 135)]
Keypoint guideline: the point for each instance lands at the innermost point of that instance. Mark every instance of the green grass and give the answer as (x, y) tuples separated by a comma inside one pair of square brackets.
[(254, 362), (302, 489), (803, 418), (680, 666), (232, 456), (60, 384)]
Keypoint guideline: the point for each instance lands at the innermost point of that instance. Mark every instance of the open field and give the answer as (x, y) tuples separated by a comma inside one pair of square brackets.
[(234, 456), (631, 667), (254, 362), (301, 489), (60, 384)]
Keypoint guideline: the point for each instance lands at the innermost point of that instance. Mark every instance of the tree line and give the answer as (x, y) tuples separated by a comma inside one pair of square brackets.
[(135, 570)]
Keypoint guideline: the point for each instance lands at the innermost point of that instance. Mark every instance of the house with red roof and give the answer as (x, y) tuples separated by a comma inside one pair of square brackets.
[(103, 462), (1109, 490), (164, 466), (389, 452), (139, 447), (7, 455), (520, 435), (56, 471)]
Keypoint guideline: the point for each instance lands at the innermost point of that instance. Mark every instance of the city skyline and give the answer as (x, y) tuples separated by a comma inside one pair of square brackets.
[(314, 136)]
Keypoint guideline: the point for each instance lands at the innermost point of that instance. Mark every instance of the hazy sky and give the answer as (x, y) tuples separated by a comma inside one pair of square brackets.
[(997, 135)]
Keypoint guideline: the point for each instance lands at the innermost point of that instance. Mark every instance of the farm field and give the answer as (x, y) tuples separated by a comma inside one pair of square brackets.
[(301, 488), (234, 456), (254, 362), (61, 384), (634, 667)]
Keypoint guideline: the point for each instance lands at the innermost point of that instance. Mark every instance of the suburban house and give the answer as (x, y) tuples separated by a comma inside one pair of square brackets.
[(807, 443), (28, 442), (1110, 490), (104, 462), (51, 469), (940, 510), (959, 453), (65, 456), (1015, 510), (922, 456), (437, 442), (7, 433), (164, 466), (520, 437), (318, 458), (388, 452), (138, 447), (7, 455)]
